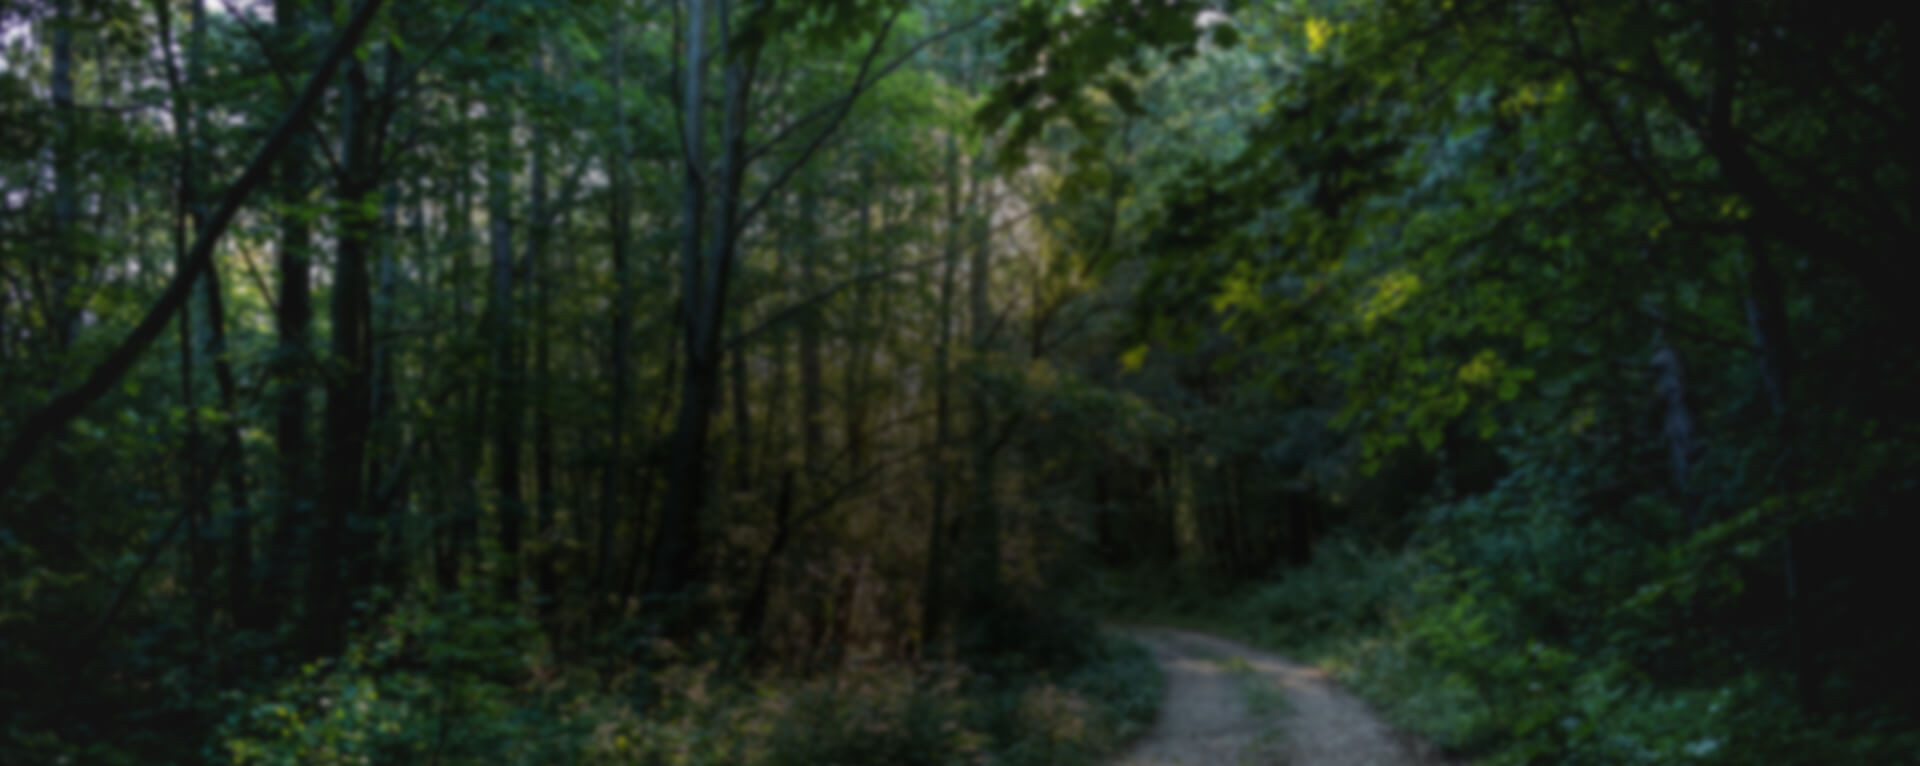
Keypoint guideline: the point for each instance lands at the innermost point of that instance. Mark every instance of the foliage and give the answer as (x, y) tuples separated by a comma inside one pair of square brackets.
[(785, 365), (489, 691), (455, 681)]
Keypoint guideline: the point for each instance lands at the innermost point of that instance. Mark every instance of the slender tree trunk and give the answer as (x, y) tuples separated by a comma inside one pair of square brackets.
[(775, 431), (396, 489), (812, 386), (240, 572), (349, 384), (983, 565), (379, 545), (375, 554), (753, 613), (759, 598), (540, 280), (503, 341), (860, 346), (645, 486), (622, 329), (742, 418), (293, 319), (1768, 323), (1671, 382), (192, 454), (464, 545), (933, 606)]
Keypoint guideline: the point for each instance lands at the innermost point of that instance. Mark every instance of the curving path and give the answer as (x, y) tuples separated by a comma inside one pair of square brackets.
[(1229, 704)]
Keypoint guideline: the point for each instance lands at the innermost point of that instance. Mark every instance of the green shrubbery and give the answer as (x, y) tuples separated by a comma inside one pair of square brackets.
[(457, 681), (1513, 631), (469, 683)]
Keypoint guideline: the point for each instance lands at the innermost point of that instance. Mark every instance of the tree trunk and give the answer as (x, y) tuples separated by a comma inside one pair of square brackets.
[(705, 269), (742, 418), (503, 341), (635, 556), (622, 329), (669, 570), (349, 384), (753, 613), (1671, 382), (812, 388), (1769, 325), (396, 490), (196, 504), (240, 572), (983, 565), (293, 319), (377, 547), (540, 279), (933, 606), (465, 533), (860, 347)]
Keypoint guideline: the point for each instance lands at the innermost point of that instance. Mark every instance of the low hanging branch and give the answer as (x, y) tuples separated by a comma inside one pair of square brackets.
[(62, 409)]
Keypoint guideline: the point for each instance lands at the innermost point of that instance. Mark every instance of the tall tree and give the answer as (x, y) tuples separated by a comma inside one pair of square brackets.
[(349, 388), (620, 221), (503, 342), (934, 591), (293, 319), (676, 543)]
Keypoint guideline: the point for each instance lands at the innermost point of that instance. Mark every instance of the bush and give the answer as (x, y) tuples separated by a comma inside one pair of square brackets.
[(474, 683), (456, 682), (1520, 633)]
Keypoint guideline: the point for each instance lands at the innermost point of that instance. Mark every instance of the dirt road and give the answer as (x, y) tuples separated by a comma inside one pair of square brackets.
[(1229, 704)]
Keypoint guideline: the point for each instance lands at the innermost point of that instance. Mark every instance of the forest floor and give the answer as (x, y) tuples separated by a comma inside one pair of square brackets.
[(1228, 704)]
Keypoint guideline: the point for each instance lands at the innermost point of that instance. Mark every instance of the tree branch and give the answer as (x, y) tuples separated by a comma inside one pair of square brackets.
[(283, 79), (863, 80), (59, 412), (807, 303)]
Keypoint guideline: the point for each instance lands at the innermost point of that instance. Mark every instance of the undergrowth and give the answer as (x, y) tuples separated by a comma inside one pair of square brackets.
[(469, 684), (1443, 652)]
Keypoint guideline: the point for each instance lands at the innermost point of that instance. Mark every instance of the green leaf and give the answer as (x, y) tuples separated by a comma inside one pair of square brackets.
[(1535, 335)]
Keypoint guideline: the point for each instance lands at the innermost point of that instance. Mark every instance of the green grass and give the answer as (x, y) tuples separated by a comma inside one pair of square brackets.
[(1265, 702), (1261, 695)]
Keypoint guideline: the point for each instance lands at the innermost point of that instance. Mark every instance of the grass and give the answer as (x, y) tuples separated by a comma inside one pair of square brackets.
[(1265, 702), (1261, 695)]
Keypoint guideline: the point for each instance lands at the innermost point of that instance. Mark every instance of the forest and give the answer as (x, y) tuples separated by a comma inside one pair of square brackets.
[(835, 381)]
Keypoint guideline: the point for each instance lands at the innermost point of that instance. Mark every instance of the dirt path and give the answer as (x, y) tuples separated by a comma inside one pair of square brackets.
[(1229, 704)]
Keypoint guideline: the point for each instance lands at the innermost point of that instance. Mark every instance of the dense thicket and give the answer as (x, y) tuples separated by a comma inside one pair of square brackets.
[(749, 380)]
